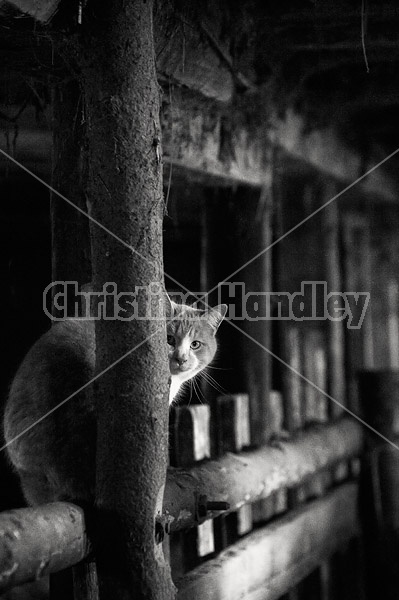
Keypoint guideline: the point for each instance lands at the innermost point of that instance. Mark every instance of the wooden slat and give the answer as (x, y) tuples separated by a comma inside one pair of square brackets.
[(205, 539), (293, 384), (360, 348), (234, 428), (233, 413), (267, 563), (336, 332), (265, 509), (192, 440), (316, 403), (239, 479), (192, 444)]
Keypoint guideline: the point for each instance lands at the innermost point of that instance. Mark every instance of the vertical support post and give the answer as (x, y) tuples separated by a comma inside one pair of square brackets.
[(336, 337), (237, 225), (124, 188), (360, 351)]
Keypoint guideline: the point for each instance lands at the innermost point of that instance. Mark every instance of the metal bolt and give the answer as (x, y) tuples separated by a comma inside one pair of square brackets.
[(205, 505)]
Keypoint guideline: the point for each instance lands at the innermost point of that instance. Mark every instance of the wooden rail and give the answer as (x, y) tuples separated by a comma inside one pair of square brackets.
[(270, 561), (41, 540), (253, 475), (37, 541)]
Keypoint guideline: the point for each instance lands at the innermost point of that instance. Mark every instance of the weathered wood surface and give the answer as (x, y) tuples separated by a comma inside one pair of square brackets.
[(202, 135), (334, 276), (254, 475), (38, 541), (292, 382), (191, 434), (41, 10), (235, 478), (121, 97), (269, 562), (192, 444)]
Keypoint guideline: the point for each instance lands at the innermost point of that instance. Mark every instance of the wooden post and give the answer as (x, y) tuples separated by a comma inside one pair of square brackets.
[(360, 352), (124, 189), (236, 227), (336, 332)]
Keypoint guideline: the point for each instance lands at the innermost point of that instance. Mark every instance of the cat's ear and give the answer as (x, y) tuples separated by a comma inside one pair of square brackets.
[(170, 307), (216, 315), (199, 305)]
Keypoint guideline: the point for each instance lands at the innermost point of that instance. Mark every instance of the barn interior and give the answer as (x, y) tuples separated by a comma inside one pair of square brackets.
[(280, 146)]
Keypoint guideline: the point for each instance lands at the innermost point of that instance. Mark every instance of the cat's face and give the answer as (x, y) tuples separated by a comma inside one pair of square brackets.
[(191, 340)]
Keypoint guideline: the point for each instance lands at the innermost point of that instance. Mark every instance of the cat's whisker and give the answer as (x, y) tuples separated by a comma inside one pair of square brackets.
[(198, 391), (216, 386), (212, 382), (191, 392)]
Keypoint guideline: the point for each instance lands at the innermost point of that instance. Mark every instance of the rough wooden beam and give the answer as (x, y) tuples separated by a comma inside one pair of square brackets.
[(250, 476), (322, 149), (41, 540), (53, 537), (187, 57), (41, 10), (269, 562), (207, 137)]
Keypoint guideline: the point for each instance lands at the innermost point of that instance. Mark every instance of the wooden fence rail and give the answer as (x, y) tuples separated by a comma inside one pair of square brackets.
[(45, 539), (272, 560), (253, 475), (41, 540)]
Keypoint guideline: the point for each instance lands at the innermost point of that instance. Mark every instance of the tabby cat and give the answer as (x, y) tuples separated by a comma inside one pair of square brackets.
[(55, 459)]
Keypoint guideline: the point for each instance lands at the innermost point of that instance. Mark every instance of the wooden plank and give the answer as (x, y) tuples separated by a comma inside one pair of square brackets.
[(30, 535), (358, 279), (316, 403), (185, 55), (191, 435), (393, 323), (234, 435), (238, 237), (233, 420), (244, 519), (199, 135), (192, 444), (267, 563), (41, 10), (205, 539), (336, 332), (293, 384), (239, 479), (265, 509)]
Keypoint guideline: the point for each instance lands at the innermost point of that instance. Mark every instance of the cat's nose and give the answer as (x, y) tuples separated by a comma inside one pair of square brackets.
[(181, 360)]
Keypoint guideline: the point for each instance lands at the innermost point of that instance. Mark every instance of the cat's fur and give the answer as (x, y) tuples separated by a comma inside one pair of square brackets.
[(55, 458)]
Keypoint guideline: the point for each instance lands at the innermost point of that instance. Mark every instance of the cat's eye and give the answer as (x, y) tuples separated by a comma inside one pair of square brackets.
[(171, 340), (195, 345)]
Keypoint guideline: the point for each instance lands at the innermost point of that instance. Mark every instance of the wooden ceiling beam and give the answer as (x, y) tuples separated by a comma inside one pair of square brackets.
[(41, 10)]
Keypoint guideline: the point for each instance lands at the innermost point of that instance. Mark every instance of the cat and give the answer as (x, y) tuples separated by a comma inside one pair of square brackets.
[(55, 459)]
